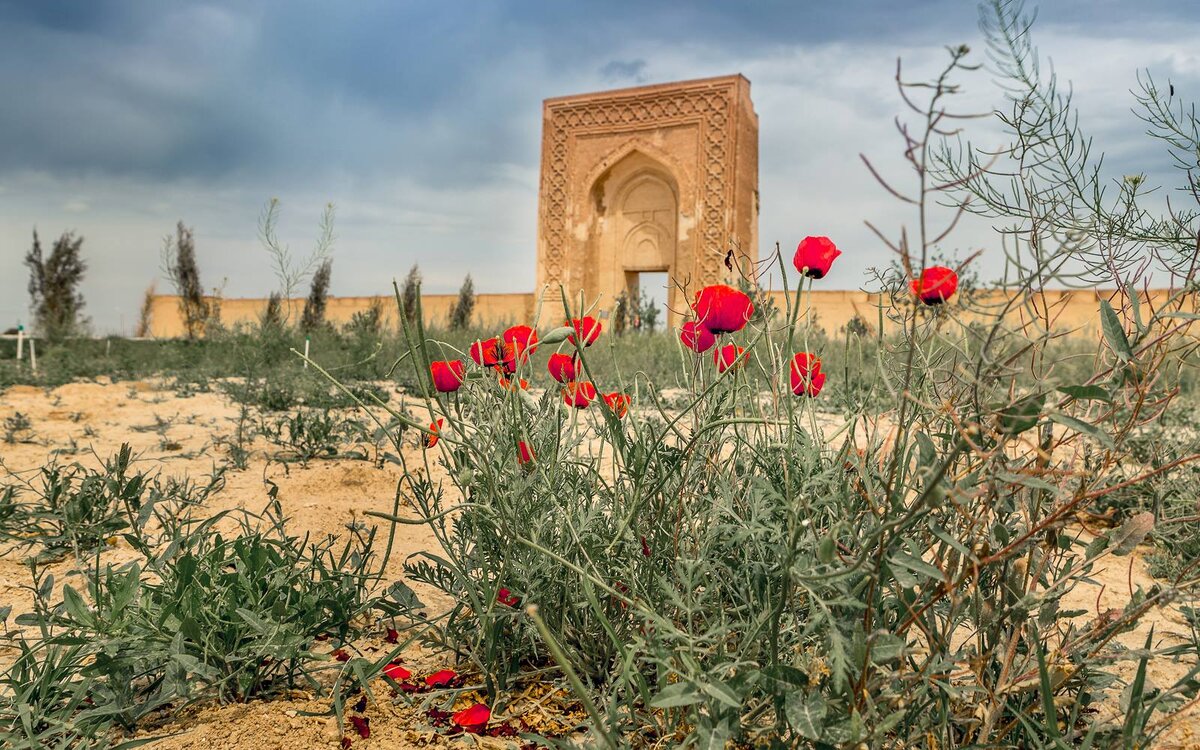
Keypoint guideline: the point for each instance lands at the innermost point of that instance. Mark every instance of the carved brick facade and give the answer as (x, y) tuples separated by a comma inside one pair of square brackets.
[(654, 178)]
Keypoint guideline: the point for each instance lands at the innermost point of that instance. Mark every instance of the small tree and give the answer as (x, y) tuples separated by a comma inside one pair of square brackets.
[(272, 316), (409, 293), (460, 314), (318, 293), (54, 285), (179, 265)]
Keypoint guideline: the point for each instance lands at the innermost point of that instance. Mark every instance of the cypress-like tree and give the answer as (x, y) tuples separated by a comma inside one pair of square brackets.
[(409, 293), (318, 293), (54, 285), (460, 314), (272, 317), (179, 265)]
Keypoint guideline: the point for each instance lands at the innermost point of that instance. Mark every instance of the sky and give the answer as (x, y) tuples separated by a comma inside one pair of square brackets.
[(420, 122)]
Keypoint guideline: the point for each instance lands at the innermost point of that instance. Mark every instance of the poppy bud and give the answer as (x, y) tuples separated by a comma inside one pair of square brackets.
[(524, 453), (814, 256), (696, 337), (447, 376), (936, 285), (722, 309)]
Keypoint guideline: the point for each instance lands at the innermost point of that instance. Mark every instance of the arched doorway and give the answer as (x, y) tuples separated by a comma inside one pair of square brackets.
[(636, 205)]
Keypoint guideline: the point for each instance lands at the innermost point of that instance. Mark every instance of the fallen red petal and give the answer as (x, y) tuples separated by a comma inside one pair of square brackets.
[(362, 725), (441, 678)]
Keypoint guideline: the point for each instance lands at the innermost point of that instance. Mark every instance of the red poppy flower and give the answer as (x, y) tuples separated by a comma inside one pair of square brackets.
[(936, 285), (806, 376), (473, 719), (729, 356), (447, 376), (619, 403), (486, 353), (512, 384), (397, 672), (524, 453), (441, 678), (522, 338), (722, 309), (362, 725), (341, 655), (432, 438), (511, 358), (696, 337), (579, 395), (562, 367), (814, 256), (392, 636), (508, 598), (587, 328)]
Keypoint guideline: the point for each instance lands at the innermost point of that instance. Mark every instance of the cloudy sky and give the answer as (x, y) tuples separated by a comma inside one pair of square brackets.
[(420, 121)]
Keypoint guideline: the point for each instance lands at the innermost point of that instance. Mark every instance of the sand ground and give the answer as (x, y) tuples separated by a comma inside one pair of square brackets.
[(182, 435)]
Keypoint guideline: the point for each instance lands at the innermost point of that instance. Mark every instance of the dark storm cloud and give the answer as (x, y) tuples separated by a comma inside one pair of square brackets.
[(442, 92)]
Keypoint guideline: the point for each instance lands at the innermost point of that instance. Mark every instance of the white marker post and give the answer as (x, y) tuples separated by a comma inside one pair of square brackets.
[(306, 352), (20, 343), (33, 356)]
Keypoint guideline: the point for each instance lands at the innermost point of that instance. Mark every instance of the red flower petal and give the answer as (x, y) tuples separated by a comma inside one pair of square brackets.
[(696, 337), (341, 655), (562, 367), (579, 395), (393, 635), (362, 725), (936, 285), (441, 678), (722, 309), (431, 439), (473, 718), (447, 376), (396, 672), (814, 256), (729, 356), (508, 598), (586, 328)]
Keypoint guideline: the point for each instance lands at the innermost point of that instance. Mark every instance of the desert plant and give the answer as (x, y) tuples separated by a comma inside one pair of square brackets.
[(179, 265), (743, 569), (410, 294), (313, 316), (290, 274), (311, 433), (272, 316), (54, 285), (464, 306)]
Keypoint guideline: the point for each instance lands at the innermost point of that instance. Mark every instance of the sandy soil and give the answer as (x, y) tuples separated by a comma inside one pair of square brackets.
[(184, 436)]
